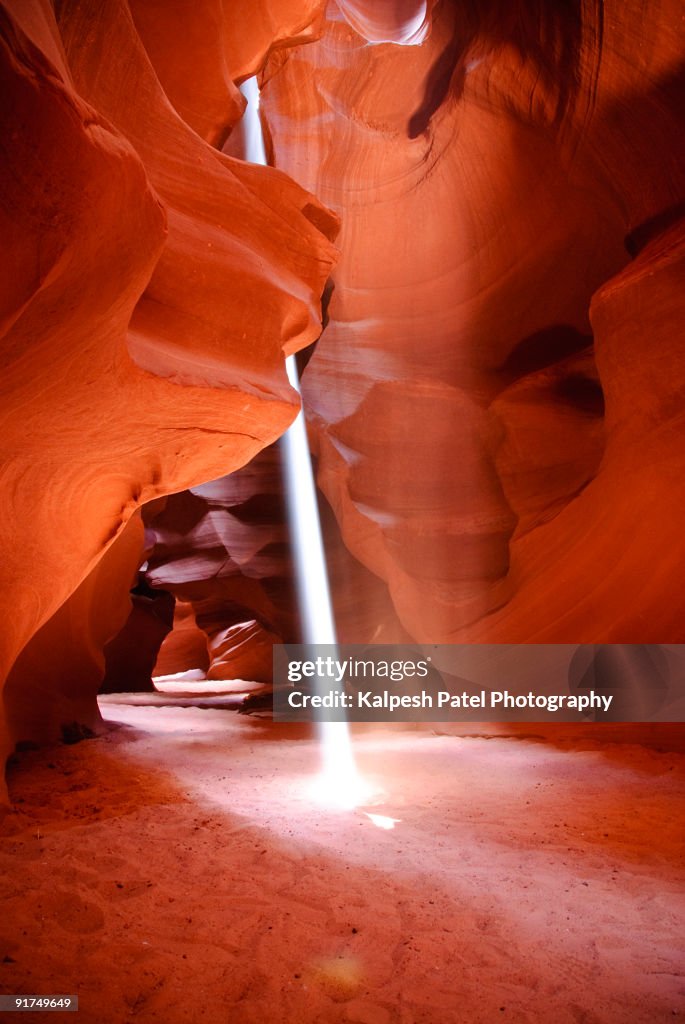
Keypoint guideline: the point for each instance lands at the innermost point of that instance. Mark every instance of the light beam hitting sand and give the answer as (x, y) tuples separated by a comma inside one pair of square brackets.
[(339, 783)]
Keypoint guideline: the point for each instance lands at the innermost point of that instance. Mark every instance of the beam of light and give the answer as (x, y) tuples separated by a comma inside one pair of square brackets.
[(253, 138), (318, 625), (339, 784)]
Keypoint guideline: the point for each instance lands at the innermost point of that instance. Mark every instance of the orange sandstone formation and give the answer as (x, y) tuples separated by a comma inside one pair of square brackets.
[(200, 50), (50, 690), (223, 550), (185, 647), (223, 547), (243, 651), (493, 184), (495, 401), (151, 288), (131, 655)]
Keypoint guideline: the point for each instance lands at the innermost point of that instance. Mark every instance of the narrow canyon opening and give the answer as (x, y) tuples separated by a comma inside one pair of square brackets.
[(384, 378)]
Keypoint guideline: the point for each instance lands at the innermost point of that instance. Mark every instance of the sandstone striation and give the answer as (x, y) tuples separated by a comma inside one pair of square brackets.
[(494, 404), (151, 288), (185, 647), (223, 549), (493, 184), (50, 691)]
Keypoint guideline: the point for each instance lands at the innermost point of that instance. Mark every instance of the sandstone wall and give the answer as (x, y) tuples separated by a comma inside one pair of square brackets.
[(150, 289), (494, 185)]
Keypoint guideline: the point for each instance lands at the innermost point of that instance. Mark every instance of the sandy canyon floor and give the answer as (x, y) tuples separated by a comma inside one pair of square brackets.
[(178, 869)]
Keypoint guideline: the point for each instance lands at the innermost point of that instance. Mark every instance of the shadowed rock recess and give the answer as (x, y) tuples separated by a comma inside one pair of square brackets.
[(495, 403)]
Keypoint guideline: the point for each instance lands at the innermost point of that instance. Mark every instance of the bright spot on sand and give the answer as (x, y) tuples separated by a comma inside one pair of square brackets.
[(382, 820), (339, 794)]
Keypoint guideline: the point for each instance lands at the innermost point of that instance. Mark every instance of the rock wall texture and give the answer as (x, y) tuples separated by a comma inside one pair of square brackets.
[(223, 548), (185, 647), (150, 288), (494, 402), (50, 690), (131, 655)]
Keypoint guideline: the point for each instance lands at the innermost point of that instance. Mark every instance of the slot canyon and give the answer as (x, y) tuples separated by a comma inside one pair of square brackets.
[(468, 235)]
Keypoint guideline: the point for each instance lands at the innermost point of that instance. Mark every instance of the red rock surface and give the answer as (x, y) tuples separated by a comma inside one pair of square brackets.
[(405, 22), (622, 537), (223, 548), (150, 289), (200, 50), (494, 402), (185, 647), (131, 655), (242, 651), (492, 186), (53, 682)]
